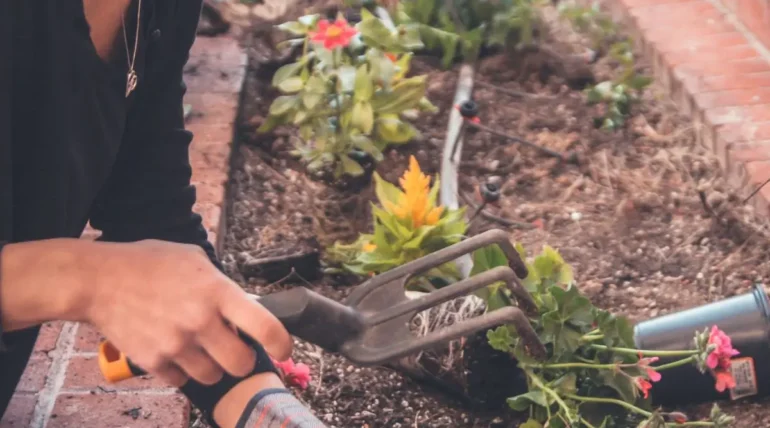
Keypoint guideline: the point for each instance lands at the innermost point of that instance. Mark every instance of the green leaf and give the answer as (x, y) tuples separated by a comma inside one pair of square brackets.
[(294, 27), (571, 305), (364, 88), (621, 383), (522, 402), (405, 95), (347, 78), (487, 258), (375, 33), (363, 117), (566, 384), (282, 105), (386, 191), (501, 339), (285, 72), (394, 130), (364, 143), (531, 423), (639, 82), (291, 85), (350, 166)]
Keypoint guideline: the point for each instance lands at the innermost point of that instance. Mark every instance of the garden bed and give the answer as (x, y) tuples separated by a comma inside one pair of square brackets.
[(645, 220)]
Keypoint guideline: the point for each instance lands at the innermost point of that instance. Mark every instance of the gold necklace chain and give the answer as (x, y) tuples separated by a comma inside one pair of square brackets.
[(131, 77)]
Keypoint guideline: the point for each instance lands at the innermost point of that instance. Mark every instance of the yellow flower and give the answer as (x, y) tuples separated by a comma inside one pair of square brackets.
[(414, 203), (369, 247)]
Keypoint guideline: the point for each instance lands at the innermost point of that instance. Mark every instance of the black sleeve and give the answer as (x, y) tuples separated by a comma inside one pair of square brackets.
[(149, 195), (2, 345)]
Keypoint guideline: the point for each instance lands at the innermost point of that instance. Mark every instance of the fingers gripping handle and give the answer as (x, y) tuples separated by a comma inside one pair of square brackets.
[(305, 314)]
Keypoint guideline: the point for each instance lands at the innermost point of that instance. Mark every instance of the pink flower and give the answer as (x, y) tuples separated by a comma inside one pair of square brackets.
[(333, 35), (643, 386), (723, 352), (294, 374), (724, 380), (644, 363)]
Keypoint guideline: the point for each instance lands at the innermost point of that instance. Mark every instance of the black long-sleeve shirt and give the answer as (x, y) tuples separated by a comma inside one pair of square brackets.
[(73, 147)]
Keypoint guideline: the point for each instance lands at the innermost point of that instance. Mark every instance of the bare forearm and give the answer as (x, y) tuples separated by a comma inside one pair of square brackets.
[(43, 281)]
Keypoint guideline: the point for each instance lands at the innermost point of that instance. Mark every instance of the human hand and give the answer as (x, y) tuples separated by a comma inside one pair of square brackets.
[(173, 313)]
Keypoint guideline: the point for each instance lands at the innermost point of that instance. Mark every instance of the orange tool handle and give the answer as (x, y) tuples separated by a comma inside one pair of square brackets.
[(115, 367)]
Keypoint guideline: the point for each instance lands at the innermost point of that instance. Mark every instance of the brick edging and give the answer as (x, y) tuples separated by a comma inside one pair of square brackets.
[(62, 385), (717, 72)]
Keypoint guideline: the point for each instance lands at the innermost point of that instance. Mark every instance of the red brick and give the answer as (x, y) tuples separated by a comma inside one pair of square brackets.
[(120, 411), (83, 375), (647, 3), (207, 192), (36, 373), (758, 172), (208, 135), (750, 113), (19, 412), (212, 215), (202, 77), (708, 43), (212, 109), (219, 50), (746, 131), (87, 338), (721, 68), (755, 14), (49, 335), (731, 53), (706, 28), (667, 18), (739, 97), (728, 82)]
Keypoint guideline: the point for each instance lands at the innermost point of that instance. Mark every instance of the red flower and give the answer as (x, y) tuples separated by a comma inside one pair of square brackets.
[(643, 386), (724, 380), (723, 352), (333, 35), (294, 374), (392, 57), (644, 363)]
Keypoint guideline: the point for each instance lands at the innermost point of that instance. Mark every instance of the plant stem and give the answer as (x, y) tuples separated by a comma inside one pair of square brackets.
[(673, 364), (621, 403), (539, 383), (337, 98), (576, 366), (635, 409), (646, 353)]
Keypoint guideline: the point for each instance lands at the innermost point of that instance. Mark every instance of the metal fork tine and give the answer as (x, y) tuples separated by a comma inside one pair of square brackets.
[(445, 294), (509, 315), (440, 257)]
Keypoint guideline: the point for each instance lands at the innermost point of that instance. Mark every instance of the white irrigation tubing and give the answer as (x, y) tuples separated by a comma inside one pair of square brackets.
[(449, 190)]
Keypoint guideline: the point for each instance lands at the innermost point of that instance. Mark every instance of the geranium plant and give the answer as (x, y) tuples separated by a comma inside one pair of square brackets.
[(408, 224), (594, 376), (348, 93)]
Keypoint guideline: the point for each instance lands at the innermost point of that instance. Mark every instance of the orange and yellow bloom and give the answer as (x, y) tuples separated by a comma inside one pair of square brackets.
[(414, 203)]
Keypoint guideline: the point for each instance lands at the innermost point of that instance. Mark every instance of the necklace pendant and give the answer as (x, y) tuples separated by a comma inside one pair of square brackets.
[(130, 82)]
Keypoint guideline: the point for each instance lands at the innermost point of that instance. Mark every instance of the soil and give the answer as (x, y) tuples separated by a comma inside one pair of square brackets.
[(646, 220)]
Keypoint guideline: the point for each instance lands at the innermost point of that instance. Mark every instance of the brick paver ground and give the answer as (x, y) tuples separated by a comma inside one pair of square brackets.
[(62, 386), (712, 57)]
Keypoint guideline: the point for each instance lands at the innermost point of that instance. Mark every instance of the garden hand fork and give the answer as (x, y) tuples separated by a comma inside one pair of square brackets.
[(372, 326)]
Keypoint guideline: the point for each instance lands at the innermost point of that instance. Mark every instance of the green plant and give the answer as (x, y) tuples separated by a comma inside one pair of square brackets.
[(619, 94), (591, 21), (408, 224), (348, 93), (594, 376), (465, 26)]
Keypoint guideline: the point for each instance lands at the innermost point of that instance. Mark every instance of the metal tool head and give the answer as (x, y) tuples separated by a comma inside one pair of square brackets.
[(386, 311), (372, 326)]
